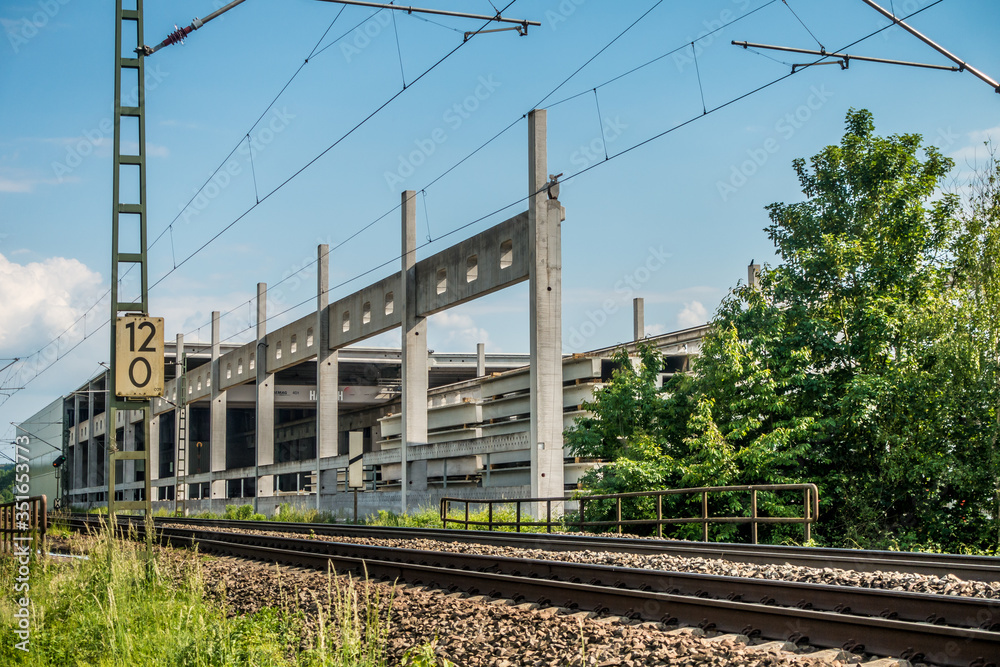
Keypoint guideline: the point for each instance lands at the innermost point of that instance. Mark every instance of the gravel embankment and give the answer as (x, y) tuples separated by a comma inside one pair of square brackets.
[(471, 632), (476, 632), (901, 581)]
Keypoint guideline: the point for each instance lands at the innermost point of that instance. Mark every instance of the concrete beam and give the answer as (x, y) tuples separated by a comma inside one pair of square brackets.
[(545, 292), (489, 261), (414, 398)]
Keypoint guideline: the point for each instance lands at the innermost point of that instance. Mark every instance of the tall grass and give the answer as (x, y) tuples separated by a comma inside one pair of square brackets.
[(117, 608)]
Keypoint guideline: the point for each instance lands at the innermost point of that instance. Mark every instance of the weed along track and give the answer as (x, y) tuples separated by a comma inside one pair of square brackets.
[(743, 604)]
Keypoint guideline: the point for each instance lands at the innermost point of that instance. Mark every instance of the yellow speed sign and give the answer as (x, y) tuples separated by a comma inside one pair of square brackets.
[(139, 357)]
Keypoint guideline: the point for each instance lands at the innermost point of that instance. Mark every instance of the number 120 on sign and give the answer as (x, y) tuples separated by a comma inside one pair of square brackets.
[(139, 357)]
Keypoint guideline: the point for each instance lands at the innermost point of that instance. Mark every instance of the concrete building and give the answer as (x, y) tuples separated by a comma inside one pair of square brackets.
[(477, 442), (285, 417)]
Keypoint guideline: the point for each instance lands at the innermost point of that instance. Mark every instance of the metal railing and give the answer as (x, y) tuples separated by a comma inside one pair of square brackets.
[(810, 510), (22, 519)]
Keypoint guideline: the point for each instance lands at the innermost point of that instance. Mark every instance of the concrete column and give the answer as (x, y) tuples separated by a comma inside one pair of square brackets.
[(753, 275), (327, 374), (265, 400), (154, 447), (217, 413), (480, 359), (93, 451), (638, 319), (545, 292), (181, 409), (77, 482), (414, 399)]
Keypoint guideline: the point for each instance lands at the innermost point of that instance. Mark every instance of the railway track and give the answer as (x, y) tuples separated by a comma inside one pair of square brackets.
[(970, 568), (938, 629)]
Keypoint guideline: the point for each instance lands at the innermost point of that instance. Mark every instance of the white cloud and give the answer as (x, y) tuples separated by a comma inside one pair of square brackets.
[(19, 185), (455, 332), (21, 181), (975, 152), (694, 314), (40, 300), (654, 329)]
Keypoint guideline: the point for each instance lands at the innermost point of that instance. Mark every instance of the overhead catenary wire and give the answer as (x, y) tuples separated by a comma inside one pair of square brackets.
[(580, 172), (347, 134), (399, 50), (821, 47), (697, 70), (316, 51), (588, 168)]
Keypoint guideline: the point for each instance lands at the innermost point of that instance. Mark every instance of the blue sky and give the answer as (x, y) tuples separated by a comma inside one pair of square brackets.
[(675, 220)]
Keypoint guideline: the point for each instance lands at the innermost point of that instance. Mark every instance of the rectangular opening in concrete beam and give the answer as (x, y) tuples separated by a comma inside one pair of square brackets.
[(442, 281), (507, 254), (471, 268), (389, 305), (346, 319)]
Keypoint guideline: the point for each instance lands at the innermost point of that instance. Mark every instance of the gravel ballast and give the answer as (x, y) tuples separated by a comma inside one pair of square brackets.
[(900, 581)]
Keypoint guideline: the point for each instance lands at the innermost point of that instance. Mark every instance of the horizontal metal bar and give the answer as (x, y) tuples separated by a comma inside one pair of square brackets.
[(129, 63), (130, 14), (130, 208), (129, 111), (130, 257), (439, 12), (844, 56), (130, 159)]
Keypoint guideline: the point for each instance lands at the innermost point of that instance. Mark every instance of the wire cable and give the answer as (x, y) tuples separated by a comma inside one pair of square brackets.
[(521, 199), (821, 47)]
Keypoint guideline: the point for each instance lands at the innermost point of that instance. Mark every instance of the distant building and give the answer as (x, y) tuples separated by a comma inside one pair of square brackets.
[(477, 443)]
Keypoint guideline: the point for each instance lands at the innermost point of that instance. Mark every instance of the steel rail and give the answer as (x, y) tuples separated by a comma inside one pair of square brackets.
[(980, 568), (954, 610), (936, 644)]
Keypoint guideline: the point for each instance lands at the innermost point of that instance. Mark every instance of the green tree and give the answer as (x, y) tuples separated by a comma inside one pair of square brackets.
[(866, 360), (858, 362)]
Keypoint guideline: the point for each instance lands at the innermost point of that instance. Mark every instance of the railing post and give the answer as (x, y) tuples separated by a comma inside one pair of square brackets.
[(704, 516), (805, 515), (517, 518), (753, 514), (444, 513), (659, 515), (466, 514), (548, 516), (490, 514), (583, 515), (618, 505)]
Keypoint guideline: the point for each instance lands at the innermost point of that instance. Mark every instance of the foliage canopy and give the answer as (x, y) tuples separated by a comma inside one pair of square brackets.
[(867, 360)]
